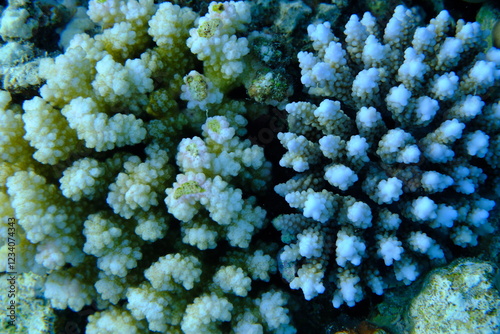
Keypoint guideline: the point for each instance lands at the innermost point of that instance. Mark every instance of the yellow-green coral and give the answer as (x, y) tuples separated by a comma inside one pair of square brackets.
[(217, 7), (197, 85), (33, 313), (188, 188), (213, 124), (459, 298), (207, 29)]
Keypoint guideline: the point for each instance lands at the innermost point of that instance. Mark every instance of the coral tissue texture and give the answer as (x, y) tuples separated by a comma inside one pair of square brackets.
[(140, 206), (131, 184), (392, 161)]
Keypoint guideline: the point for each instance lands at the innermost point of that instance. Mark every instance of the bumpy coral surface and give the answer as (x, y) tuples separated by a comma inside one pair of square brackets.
[(32, 314), (128, 198), (460, 298), (392, 163), (135, 193)]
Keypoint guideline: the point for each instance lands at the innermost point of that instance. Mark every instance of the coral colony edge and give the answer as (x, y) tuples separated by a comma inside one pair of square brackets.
[(139, 194)]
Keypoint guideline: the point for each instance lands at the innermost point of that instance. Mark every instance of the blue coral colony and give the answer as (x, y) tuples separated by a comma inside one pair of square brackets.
[(389, 156)]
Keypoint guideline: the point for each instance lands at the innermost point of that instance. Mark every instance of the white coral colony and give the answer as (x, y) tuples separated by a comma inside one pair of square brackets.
[(418, 78)]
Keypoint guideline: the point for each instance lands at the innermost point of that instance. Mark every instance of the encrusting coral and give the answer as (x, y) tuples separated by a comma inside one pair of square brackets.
[(32, 313), (461, 297), (392, 163)]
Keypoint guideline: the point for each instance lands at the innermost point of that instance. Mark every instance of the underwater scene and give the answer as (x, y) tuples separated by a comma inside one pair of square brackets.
[(250, 167)]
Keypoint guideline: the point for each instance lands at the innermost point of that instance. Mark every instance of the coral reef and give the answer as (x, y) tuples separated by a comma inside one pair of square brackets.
[(117, 206), (392, 163), (140, 206), (460, 297)]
